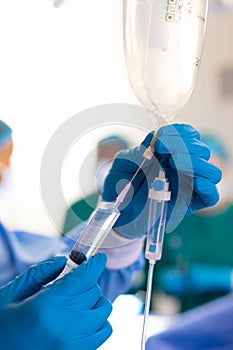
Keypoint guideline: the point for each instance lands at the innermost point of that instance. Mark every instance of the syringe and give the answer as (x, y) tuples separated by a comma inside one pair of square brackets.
[(100, 223), (159, 197), (96, 230)]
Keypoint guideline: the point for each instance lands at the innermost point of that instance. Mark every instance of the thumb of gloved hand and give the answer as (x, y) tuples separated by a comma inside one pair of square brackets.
[(69, 313), (31, 281)]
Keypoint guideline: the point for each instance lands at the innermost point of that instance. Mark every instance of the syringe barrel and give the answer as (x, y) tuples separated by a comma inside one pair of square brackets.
[(99, 225)]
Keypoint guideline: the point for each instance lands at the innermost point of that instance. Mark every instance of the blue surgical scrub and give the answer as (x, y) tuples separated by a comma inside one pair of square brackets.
[(209, 327), (19, 250)]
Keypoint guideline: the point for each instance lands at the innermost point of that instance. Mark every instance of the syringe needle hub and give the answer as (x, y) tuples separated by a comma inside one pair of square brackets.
[(123, 194)]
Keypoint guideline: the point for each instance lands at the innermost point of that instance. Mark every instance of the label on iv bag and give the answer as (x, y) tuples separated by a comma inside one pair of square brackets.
[(168, 20)]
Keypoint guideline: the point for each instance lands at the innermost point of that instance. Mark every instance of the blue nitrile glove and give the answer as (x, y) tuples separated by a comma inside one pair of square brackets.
[(198, 278), (68, 314), (192, 179)]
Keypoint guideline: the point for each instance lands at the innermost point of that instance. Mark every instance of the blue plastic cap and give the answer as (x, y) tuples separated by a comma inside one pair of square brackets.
[(158, 185)]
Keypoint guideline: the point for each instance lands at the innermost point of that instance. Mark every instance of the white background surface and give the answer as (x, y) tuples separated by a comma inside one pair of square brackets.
[(127, 325)]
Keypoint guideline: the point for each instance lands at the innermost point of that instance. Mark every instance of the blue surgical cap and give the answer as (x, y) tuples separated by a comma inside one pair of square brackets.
[(114, 140), (5, 134), (216, 146)]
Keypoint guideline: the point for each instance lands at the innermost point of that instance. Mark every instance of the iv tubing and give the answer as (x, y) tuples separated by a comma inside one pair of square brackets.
[(147, 302)]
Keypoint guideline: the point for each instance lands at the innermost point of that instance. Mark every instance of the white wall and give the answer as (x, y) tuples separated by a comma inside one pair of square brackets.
[(56, 62), (208, 108)]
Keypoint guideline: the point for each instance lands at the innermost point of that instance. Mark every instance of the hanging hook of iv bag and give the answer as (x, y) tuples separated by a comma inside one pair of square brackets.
[(163, 42)]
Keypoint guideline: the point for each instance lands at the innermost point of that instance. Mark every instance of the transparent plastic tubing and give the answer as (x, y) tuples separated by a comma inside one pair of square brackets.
[(147, 302), (159, 196)]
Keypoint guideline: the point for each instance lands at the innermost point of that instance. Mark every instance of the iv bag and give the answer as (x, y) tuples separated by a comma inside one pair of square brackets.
[(163, 42)]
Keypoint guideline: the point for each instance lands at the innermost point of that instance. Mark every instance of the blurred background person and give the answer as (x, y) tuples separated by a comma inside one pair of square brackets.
[(80, 210), (19, 249), (6, 148), (197, 264)]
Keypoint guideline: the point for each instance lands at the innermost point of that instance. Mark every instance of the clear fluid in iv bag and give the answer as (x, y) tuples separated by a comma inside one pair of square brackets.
[(163, 42)]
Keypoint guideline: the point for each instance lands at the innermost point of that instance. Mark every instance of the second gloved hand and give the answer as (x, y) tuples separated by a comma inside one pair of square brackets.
[(70, 313), (192, 179)]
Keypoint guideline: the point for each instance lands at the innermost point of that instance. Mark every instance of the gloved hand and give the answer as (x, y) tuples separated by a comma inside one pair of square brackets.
[(198, 278), (68, 314), (192, 179)]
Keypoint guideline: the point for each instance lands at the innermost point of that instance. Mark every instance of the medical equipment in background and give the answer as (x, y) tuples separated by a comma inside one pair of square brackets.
[(163, 41), (57, 3)]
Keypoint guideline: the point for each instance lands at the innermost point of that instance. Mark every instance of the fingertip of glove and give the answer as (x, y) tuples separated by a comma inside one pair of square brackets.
[(60, 258), (214, 173), (58, 261), (103, 302), (89, 271), (207, 191), (148, 138), (178, 129), (99, 258), (218, 175), (45, 271), (109, 329), (213, 200)]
